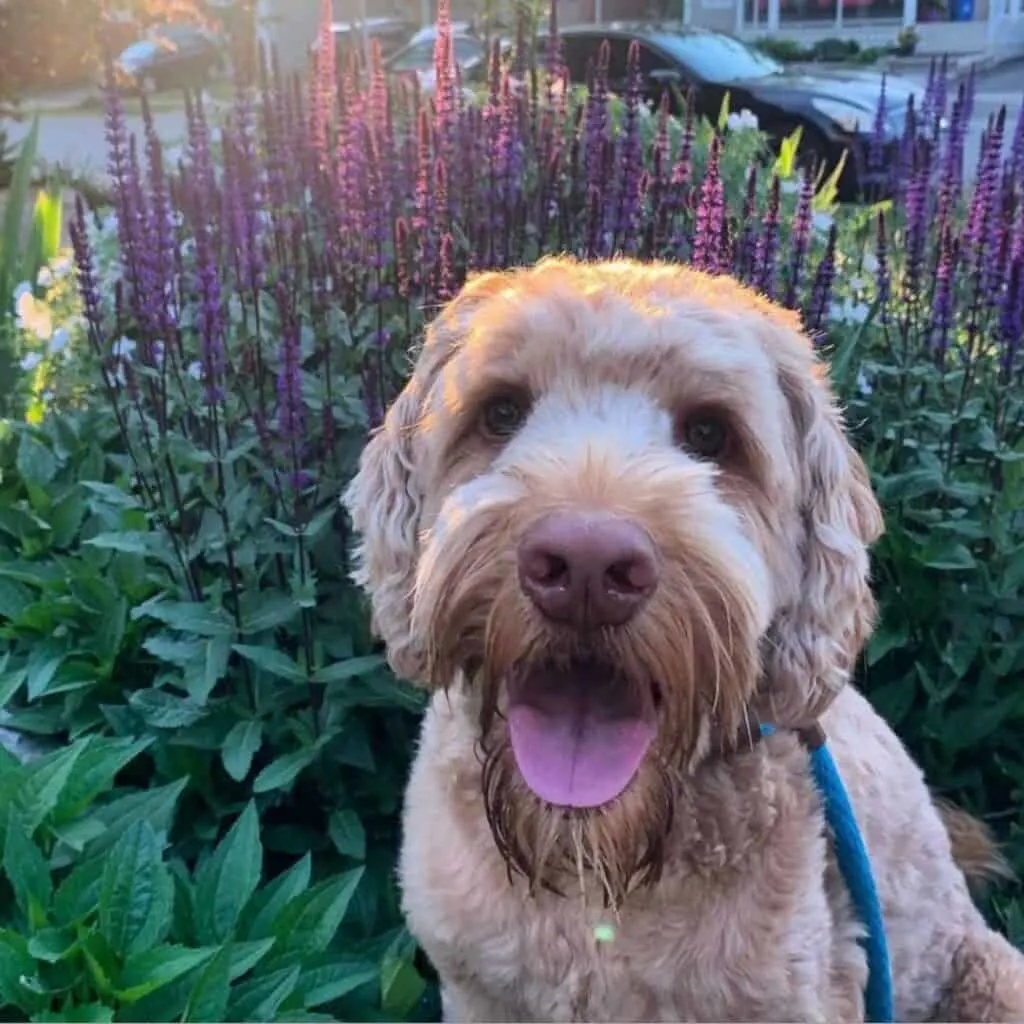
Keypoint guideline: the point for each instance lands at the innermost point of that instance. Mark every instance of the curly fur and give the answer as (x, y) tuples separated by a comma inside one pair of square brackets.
[(712, 867)]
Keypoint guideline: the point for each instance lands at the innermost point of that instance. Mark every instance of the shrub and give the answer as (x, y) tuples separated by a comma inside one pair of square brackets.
[(174, 559)]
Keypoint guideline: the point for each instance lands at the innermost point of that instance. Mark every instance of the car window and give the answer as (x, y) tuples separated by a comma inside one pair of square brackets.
[(717, 58), (421, 55), (581, 50)]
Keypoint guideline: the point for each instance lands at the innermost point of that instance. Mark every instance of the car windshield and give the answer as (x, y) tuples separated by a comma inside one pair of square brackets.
[(421, 56), (717, 58)]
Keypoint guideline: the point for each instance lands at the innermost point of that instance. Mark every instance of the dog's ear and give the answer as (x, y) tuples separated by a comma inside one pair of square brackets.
[(386, 495), (815, 640)]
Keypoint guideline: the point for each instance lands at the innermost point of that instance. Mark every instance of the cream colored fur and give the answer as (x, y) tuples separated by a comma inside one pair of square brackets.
[(763, 607)]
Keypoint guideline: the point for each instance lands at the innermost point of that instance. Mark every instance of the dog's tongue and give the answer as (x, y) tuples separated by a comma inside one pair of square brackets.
[(572, 756)]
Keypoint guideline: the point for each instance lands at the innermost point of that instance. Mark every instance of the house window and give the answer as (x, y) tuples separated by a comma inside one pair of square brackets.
[(852, 12)]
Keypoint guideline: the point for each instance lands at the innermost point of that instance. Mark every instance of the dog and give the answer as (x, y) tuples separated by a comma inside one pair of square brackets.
[(613, 524)]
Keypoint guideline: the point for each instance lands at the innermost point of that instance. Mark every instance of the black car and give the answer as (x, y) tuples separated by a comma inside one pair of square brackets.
[(392, 33), (170, 57), (835, 108), (470, 54)]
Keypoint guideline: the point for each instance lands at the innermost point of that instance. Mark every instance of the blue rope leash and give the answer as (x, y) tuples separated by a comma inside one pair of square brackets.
[(855, 866)]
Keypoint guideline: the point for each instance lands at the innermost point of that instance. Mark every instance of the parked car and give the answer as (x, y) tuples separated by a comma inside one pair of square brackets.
[(170, 57), (417, 59), (834, 107), (391, 32)]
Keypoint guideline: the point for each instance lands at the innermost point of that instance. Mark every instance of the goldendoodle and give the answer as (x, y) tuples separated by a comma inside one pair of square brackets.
[(614, 525)]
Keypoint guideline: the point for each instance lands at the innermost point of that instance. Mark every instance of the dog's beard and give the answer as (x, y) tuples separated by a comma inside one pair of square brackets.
[(688, 663)]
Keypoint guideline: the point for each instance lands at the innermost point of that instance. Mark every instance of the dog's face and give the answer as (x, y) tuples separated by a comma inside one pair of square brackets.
[(617, 502)]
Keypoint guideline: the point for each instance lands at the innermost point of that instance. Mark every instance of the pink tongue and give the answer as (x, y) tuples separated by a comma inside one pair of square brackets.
[(573, 758)]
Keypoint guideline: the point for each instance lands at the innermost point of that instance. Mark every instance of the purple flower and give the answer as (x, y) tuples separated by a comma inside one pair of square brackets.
[(768, 243), (446, 270), (799, 238), (883, 280), (942, 308), (707, 238), (1011, 320), (291, 406), (821, 289)]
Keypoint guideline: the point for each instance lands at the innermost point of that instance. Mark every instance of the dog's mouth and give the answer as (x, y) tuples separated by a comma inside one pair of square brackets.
[(580, 732)]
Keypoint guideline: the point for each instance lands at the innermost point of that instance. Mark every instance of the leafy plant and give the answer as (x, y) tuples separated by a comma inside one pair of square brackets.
[(104, 924)]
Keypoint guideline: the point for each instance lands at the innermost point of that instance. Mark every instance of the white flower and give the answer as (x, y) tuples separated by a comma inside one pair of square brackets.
[(59, 341), (33, 316), (870, 262), (195, 370), (123, 348), (745, 120), (822, 223), (30, 361), (45, 277), (863, 384), (849, 312), (61, 267)]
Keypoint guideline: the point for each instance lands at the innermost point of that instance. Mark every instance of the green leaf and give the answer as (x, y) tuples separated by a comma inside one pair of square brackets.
[(349, 668), (45, 784), (146, 972), (240, 746), (309, 922), (226, 882), (52, 944), (15, 963), (137, 894), (271, 660), (400, 987), (209, 998), (347, 834), (257, 921), (110, 495), (84, 1013), (79, 893), (95, 771), (948, 556), (187, 616), (153, 805), (260, 999), (268, 610), (164, 710), (282, 771), (336, 978), (246, 955), (27, 871)]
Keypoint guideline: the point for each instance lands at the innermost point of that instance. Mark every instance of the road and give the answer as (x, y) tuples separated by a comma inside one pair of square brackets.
[(75, 138), (1002, 86)]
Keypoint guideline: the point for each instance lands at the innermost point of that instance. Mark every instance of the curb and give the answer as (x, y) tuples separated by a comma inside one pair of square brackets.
[(959, 67)]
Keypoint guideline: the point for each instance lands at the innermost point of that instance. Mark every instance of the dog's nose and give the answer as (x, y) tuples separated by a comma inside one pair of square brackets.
[(586, 569)]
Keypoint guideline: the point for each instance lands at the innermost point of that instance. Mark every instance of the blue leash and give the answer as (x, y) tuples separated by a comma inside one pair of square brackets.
[(855, 866)]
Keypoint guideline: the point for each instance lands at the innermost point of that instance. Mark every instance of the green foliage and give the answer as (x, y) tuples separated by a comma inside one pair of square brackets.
[(197, 711), (942, 435), (102, 922)]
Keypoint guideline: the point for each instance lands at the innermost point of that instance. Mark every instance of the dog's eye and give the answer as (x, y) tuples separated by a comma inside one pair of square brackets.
[(501, 417), (706, 435)]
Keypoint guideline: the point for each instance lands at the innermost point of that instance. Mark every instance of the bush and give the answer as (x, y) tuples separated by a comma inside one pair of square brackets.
[(173, 562)]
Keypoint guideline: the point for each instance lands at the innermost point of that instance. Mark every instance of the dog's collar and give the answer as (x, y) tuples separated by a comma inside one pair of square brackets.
[(855, 867)]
